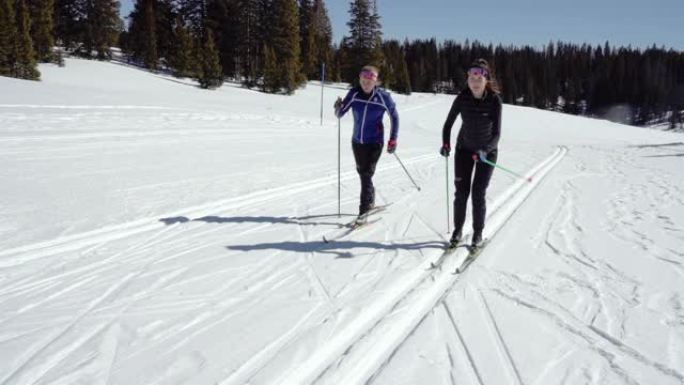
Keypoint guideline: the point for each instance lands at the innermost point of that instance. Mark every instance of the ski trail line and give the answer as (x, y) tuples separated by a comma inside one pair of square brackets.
[(366, 343), (19, 255), (500, 341), (471, 361), (19, 370)]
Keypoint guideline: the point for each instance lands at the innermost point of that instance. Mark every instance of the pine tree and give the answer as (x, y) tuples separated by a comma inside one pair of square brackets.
[(509, 84), (151, 57), (271, 73), (321, 30), (390, 50), (284, 38), (395, 70), (102, 27), (376, 36), (193, 13), (403, 85), (182, 60), (255, 19), (338, 60), (364, 45), (306, 36), (26, 66), (210, 74), (8, 36), (42, 28), (142, 39), (430, 66), (223, 19), (165, 21), (69, 22)]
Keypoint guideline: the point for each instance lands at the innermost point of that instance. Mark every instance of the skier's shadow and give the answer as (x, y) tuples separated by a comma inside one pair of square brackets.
[(341, 249), (302, 221)]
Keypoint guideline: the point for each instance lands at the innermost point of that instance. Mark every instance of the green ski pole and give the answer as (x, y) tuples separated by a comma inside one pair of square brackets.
[(487, 161)]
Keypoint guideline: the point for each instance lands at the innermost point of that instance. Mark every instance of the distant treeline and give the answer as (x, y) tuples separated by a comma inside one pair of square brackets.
[(276, 45), (640, 87)]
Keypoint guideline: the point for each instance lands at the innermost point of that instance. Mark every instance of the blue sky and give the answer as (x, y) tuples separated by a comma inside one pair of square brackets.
[(622, 22)]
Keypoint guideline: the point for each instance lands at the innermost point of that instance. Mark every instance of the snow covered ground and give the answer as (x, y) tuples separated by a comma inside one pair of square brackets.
[(156, 233)]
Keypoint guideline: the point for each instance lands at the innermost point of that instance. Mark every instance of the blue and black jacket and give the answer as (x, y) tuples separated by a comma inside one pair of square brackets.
[(368, 110)]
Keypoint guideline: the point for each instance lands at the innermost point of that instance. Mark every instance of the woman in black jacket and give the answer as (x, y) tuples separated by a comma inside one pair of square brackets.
[(480, 107)]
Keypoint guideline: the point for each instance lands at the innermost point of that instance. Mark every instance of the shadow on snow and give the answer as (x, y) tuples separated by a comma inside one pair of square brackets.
[(342, 249)]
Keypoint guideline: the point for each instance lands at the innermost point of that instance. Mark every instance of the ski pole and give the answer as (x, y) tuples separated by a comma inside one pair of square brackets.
[(339, 141), (487, 161), (405, 170), (447, 194)]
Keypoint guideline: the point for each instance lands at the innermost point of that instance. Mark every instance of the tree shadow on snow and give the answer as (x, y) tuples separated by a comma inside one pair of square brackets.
[(341, 249)]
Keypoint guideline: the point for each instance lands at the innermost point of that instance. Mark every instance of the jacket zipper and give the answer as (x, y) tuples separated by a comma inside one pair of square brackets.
[(365, 110)]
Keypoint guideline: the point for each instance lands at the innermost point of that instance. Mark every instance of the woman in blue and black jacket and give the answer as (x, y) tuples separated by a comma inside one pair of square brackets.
[(480, 108), (369, 103)]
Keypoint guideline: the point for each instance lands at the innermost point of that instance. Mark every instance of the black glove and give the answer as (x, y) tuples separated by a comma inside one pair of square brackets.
[(338, 103), (445, 150)]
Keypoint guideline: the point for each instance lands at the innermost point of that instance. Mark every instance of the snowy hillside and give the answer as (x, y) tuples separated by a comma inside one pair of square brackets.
[(156, 233)]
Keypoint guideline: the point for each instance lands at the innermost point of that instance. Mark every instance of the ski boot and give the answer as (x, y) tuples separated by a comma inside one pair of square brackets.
[(476, 243), (456, 238)]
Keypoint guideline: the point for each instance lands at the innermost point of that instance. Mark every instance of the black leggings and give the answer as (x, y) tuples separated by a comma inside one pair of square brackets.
[(366, 156), (483, 173)]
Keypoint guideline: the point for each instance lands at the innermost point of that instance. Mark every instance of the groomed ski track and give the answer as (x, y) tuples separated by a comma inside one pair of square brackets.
[(359, 351)]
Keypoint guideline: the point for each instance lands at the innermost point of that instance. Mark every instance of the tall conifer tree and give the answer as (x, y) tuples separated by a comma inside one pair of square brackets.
[(364, 44), (211, 74), (321, 32), (8, 37), (42, 28), (284, 37), (26, 66)]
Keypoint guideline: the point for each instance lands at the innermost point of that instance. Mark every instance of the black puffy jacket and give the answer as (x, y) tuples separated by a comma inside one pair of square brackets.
[(481, 126)]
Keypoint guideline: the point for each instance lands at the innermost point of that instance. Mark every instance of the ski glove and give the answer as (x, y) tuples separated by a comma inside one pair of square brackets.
[(338, 103), (481, 155), (391, 146), (445, 150)]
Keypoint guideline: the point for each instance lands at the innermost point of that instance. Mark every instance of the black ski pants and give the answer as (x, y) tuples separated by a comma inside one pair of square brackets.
[(366, 156), (464, 165)]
